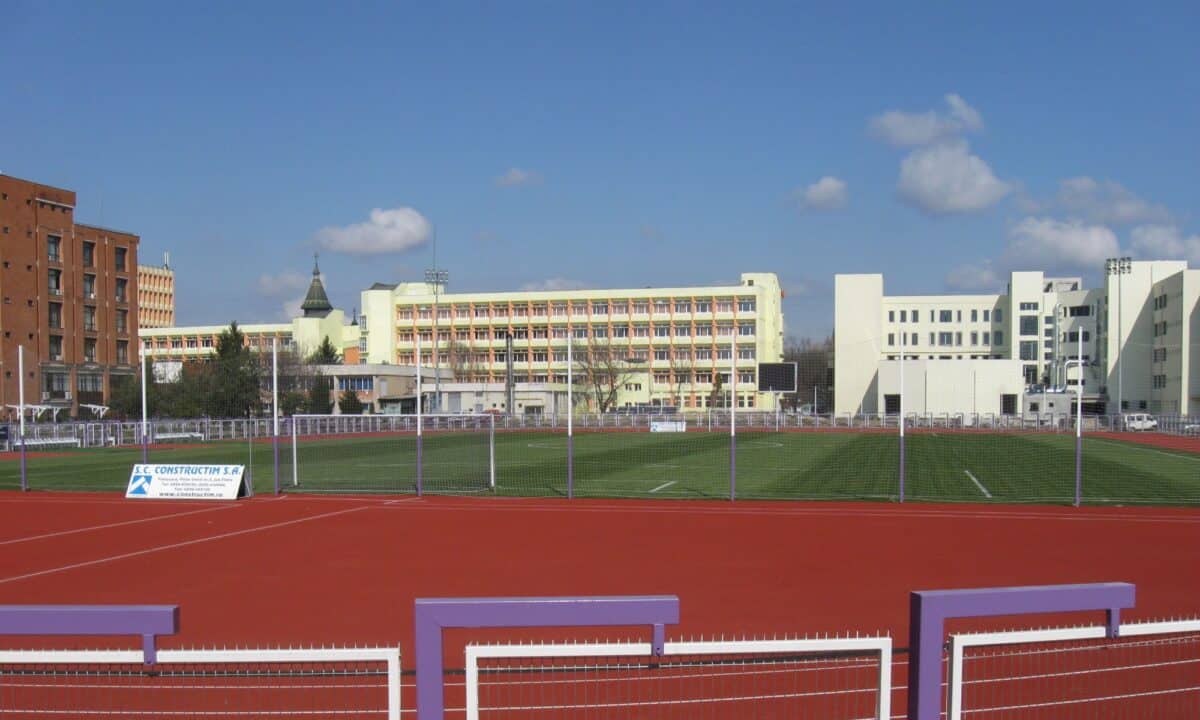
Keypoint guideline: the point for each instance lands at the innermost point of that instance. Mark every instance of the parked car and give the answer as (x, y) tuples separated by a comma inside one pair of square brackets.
[(1140, 421)]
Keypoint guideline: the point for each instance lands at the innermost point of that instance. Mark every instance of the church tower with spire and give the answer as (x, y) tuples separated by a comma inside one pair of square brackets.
[(316, 302)]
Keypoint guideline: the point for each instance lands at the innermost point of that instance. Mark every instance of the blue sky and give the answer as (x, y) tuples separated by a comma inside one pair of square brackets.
[(610, 145)]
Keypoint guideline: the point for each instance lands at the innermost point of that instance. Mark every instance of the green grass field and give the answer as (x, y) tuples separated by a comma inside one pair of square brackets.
[(998, 467)]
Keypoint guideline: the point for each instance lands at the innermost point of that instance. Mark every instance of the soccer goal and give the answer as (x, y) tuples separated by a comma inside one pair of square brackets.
[(440, 454)]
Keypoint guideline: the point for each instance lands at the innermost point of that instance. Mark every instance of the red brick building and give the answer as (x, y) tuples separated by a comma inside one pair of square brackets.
[(68, 294)]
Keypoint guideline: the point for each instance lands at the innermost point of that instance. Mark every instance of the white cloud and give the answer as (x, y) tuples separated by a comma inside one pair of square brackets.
[(283, 283), (292, 309), (387, 231), (905, 129), (828, 193), (1038, 243), (554, 283), (1107, 202), (981, 276), (946, 178), (1165, 242), (516, 177)]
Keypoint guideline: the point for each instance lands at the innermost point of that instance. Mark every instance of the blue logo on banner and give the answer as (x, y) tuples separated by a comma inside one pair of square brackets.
[(140, 485)]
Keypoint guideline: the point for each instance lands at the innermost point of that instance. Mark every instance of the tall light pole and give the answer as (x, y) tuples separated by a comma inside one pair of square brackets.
[(438, 278), (1119, 267)]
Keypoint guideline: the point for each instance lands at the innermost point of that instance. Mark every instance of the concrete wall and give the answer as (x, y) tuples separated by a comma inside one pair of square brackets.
[(952, 386)]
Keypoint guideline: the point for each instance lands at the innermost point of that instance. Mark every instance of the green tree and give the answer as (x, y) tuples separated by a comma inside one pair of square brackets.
[(318, 396), (349, 403), (325, 354), (292, 402), (234, 378)]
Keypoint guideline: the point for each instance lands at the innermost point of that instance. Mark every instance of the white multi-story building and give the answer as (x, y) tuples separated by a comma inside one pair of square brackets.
[(1127, 342), (673, 346)]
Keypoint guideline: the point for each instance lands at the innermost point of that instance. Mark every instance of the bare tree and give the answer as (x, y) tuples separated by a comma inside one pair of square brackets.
[(602, 369), (459, 357)]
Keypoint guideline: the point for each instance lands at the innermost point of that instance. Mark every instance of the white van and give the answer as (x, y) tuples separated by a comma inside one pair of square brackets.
[(1140, 421)]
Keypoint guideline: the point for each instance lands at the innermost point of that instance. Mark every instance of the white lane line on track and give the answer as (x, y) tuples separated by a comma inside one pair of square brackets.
[(185, 543), (61, 533), (664, 486), (978, 484)]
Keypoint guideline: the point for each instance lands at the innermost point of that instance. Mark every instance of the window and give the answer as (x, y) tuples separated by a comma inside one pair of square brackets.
[(746, 330), (54, 282), (90, 383), (55, 315), (53, 247), (89, 349), (998, 316), (600, 308), (891, 338), (1029, 324), (683, 331), (539, 356), (443, 313), (662, 307), (119, 258), (945, 338), (958, 315), (538, 310), (122, 283), (914, 339), (89, 286), (933, 338), (704, 331), (683, 306), (560, 356), (56, 347), (54, 383), (913, 314), (987, 338), (662, 331), (1084, 310), (958, 338), (704, 353), (662, 355), (746, 305), (539, 333), (600, 332), (1048, 332), (191, 343), (986, 315), (903, 316), (703, 306), (480, 312), (479, 335), (746, 353), (558, 333), (974, 338), (206, 342), (724, 306), (640, 307), (724, 353), (1029, 350), (999, 336), (975, 316), (745, 377), (580, 333), (641, 331), (89, 317), (1026, 306), (122, 321)]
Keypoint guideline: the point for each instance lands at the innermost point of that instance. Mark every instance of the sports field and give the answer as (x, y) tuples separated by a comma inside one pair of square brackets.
[(960, 466)]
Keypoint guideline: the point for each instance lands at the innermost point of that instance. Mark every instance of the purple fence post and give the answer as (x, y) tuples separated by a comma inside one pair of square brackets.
[(929, 610), (902, 463), (275, 449), (1078, 469), (570, 466), (432, 615), (147, 621)]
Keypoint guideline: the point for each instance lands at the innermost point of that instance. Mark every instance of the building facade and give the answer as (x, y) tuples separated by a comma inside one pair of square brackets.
[(156, 295), (684, 347), (69, 300), (1127, 342)]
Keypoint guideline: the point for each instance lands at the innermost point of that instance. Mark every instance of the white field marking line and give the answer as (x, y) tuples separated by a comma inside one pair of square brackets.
[(1137, 446), (664, 486), (502, 504), (978, 484), (60, 533), (174, 546)]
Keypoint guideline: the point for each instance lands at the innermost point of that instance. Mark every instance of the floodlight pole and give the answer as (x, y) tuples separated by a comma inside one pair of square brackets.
[(570, 419), (1119, 267), (733, 399), (438, 278), (419, 410)]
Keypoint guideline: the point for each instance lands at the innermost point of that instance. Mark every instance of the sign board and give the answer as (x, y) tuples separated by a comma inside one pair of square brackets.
[(167, 371), (187, 482), (668, 426), (777, 377)]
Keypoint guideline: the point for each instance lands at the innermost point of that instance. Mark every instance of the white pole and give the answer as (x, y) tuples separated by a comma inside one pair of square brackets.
[(145, 425), (275, 383), (1079, 386), (733, 383), (902, 336), (418, 383), (570, 390), (21, 386)]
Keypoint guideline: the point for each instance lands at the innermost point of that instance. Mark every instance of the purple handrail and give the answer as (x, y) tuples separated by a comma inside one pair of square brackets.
[(148, 621)]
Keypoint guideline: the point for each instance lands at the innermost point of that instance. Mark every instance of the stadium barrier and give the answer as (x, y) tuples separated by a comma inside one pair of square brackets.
[(1131, 669), (749, 454)]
